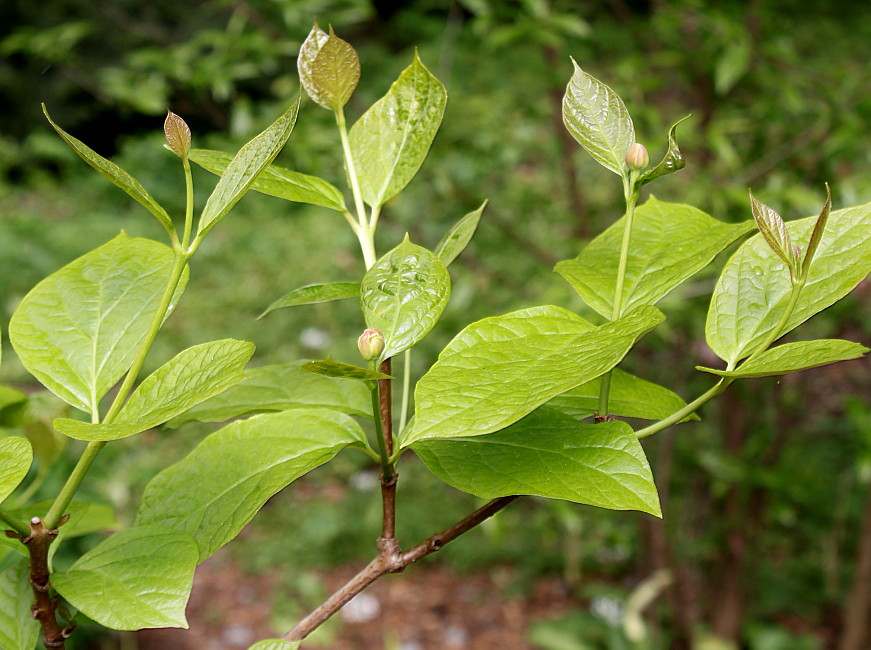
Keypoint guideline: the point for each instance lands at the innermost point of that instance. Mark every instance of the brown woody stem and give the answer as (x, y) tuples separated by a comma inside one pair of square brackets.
[(388, 481)]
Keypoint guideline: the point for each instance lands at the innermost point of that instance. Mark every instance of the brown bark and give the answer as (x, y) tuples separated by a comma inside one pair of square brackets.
[(857, 612)]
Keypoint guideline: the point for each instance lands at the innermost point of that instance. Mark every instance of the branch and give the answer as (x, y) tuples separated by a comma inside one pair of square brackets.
[(388, 482)]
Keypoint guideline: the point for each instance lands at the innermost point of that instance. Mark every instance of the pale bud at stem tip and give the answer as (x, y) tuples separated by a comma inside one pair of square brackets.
[(637, 158), (370, 344), (35, 521)]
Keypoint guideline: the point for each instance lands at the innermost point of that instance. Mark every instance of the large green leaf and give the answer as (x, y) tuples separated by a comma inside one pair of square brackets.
[(138, 578), (754, 288), (315, 293), (79, 329), (457, 238), (213, 492), (390, 141), (629, 397), (403, 295), (242, 171), (18, 629), (341, 370), (498, 370), (278, 182), (16, 455), (597, 118), (792, 357), (116, 175), (670, 242), (192, 376), (549, 454), (279, 388)]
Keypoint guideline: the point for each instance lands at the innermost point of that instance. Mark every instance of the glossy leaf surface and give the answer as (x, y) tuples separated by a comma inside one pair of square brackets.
[(242, 171), (774, 232), (670, 243), (191, 377), (335, 72), (340, 370), (79, 330), (213, 492), (754, 288), (499, 369), (278, 388), (792, 357), (549, 454), (18, 629), (390, 141), (314, 293), (597, 118), (672, 161), (16, 455), (278, 182), (458, 237)]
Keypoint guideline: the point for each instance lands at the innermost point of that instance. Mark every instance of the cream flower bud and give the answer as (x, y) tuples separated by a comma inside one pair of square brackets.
[(637, 157), (370, 344)]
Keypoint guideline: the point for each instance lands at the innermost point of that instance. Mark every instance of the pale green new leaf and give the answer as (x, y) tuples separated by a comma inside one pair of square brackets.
[(279, 388), (79, 329), (192, 376), (18, 629), (500, 369), (754, 288), (116, 175), (335, 72), (597, 118), (670, 242), (213, 492), (549, 454), (278, 182), (792, 357), (458, 237), (774, 231), (138, 578), (403, 295), (390, 141), (275, 644), (308, 52), (242, 171), (672, 161), (629, 396), (16, 455), (314, 293), (341, 370)]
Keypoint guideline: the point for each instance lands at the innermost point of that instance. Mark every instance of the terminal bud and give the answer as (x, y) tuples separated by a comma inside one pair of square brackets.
[(370, 344), (637, 158)]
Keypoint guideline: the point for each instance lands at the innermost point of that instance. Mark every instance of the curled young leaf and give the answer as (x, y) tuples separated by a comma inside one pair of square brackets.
[(774, 232), (817, 234), (672, 161)]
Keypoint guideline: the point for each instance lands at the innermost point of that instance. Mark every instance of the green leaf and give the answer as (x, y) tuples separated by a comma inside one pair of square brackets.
[(549, 454), (213, 492), (18, 629), (597, 118), (500, 369), (79, 330), (335, 72), (191, 377), (314, 293), (243, 170), (817, 234), (629, 397), (278, 182), (279, 388), (390, 141), (754, 288), (138, 578), (671, 162), (308, 52), (275, 644), (16, 455), (670, 242), (403, 295), (774, 232), (458, 237), (116, 175), (341, 370), (792, 357), (12, 404)]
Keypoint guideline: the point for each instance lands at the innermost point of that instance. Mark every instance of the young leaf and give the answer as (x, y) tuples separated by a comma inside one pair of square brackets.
[(490, 363), (116, 175), (671, 162), (339, 370), (213, 492), (457, 238), (792, 357), (191, 377), (390, 141), (629, 397), (138, 578), (178, 135), (670, 243), (335, 72), (308, 52), (597, 118), (16, 455), (774, 232), (549, 454), (79, 329), (817, 234), (279, 388), (278, 182), (403, 295), (242, 171), (314, 293), (753, 291), (18, 629)]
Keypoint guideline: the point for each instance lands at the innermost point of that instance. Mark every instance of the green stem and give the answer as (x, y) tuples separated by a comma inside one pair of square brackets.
[(189, 205), (689, 409), (386, 465), (66, 495), (406, 390), (13, 523)]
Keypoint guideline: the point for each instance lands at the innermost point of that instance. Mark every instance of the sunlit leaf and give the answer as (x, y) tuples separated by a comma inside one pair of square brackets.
[(340, 370), (315, 293), (16, 455), (792, 357), (18, 629), (458, 237)]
